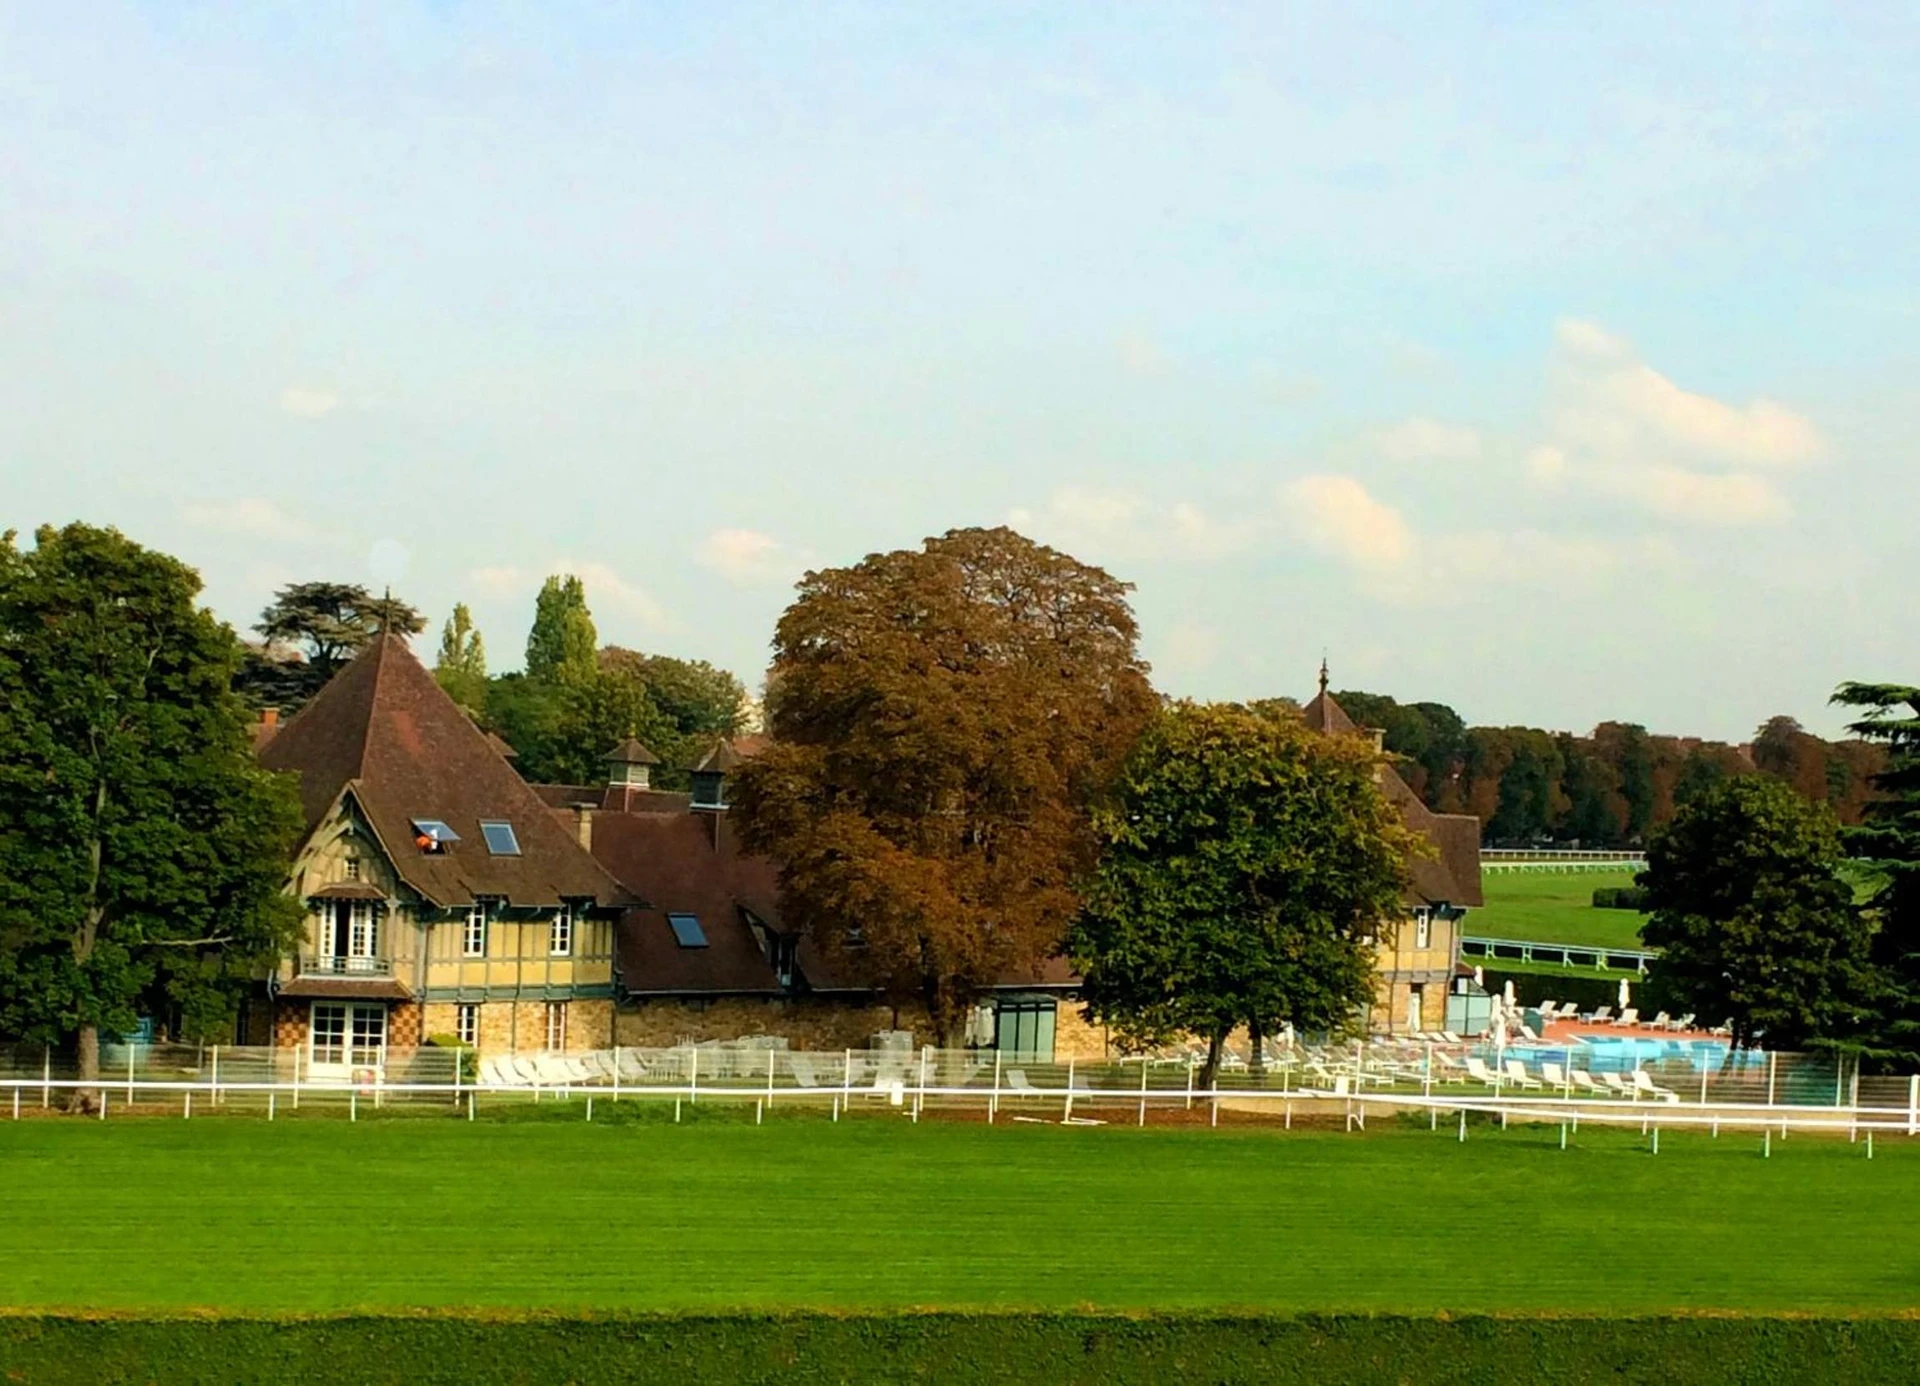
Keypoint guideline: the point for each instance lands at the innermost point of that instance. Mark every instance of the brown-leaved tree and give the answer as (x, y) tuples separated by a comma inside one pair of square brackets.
[(944, 720)]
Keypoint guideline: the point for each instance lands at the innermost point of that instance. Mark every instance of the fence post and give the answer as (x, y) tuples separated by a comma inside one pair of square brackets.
[(846, 1080), (1913, 1104), (132, 1047), (769, 1077), (1067, 1115), (1143, 1090), (1283, 1079), (993, 1102), (103, 1104), (459, 1062), (1773, 1064), (213, 1079), (1426, 1085), (46, 1075), (298, 1049), (693, 1075), (616, 1073), (1839, 1079), (16, 1102), (920, 1097)]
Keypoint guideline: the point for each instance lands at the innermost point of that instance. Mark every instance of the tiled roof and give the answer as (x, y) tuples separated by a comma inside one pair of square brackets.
[(346, 989), (632, 752), (385, 732), (1453, 875)]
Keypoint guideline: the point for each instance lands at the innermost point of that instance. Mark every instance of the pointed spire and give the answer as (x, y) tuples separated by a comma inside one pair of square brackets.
[(1323, 671)]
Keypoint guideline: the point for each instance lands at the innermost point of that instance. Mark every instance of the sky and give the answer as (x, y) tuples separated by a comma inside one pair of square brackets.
[(1554, 362)]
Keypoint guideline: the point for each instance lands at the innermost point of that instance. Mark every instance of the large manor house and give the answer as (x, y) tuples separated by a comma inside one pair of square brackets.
[(446, 896)]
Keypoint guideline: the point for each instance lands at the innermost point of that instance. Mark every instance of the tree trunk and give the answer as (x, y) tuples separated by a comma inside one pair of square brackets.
[(87, 1099), (1257, 1034), (1211, 1068)]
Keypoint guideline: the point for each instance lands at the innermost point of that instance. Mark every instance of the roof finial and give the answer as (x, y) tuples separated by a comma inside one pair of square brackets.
[(1323, 671)]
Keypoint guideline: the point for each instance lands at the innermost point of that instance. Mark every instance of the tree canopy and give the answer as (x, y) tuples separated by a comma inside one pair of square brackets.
[(561, 644), (1248, 862), (1887, 846), (327, 624), (1753, 919), (944, 721), (142, 849), (462, 666)]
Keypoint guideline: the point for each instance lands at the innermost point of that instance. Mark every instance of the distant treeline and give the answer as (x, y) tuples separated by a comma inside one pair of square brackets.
[(1605, 789)]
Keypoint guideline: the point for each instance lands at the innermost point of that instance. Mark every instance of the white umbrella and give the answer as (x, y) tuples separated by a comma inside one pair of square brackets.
[(1507, 993), (1479, 976), (1626, 996)]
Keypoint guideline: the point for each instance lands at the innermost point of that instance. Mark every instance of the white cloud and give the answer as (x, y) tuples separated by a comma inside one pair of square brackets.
[(1119, 524), (1423, 440), (1618, 427), (746, 557), (307, 403), (1336, 515), (243, 515)]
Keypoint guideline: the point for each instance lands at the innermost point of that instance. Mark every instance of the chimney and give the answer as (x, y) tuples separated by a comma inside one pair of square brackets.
[(270, 717), (583, 824)]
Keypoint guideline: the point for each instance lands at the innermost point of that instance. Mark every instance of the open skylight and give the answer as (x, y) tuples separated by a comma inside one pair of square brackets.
[(500, 839), (687, 930), (431, 835)]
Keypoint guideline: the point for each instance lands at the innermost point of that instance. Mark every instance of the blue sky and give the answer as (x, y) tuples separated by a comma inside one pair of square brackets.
[(1555, 362)]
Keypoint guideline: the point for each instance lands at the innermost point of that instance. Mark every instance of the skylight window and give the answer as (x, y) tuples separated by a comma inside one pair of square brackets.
[(687, 930), (430, 835), (500, 839)]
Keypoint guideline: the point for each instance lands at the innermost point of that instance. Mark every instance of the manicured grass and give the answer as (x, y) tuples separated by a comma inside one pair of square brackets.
[(1546, 908), (876, 1214)]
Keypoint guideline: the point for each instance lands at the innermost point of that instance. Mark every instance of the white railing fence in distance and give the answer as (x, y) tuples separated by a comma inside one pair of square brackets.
[(1636, 1079)]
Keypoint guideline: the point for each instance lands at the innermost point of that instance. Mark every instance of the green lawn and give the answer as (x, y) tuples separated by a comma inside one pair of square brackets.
[(1547, 908), (874, 1213)]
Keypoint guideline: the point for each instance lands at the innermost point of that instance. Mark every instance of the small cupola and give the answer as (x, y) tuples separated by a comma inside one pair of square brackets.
[(709, 775), (630, 765)]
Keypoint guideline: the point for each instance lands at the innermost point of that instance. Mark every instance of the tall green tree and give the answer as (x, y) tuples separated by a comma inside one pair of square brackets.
[(1887, 846), (327, 624), (1753, 919), (462, 666), (1247, 863), (944, 720), (562, 642), (142, 849)]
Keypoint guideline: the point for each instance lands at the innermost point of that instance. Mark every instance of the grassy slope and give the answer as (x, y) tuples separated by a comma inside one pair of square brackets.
[(1554, 909), (873, 1213)]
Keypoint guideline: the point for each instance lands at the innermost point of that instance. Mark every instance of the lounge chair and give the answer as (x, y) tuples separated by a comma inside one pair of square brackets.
[(1517, 1075), (1548, 1009), (1629, 1016), (1600, 1016), (1017, 1080), (1584, 1085), (1644, 1086), (1551, 1075), (1685, 1022), (1569, 1011), (1724, 1028), (1477, 1070), (1662, 1021), (1615, 1084), (496, 1073), (1447, 1070)]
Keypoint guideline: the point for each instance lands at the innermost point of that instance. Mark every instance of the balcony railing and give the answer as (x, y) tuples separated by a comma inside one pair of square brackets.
[(331, 965)]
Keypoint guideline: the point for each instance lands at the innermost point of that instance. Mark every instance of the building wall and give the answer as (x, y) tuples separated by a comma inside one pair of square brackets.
[(1402, 964), (520, 1027), (816, 1023)]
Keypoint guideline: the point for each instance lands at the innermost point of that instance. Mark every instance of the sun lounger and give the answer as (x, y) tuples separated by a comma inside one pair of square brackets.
[(1584, 1085), (1644, 1086), (496, 1073), (1447, 1070), (1616, 1085), (1569, 1011), (1551, 1075), (1629, 1016), (1685, 1022), (1662, 1021), (1548, 1009), (1602, 1016), (1017, 1080), (1517, 1075), (1477, 1070)]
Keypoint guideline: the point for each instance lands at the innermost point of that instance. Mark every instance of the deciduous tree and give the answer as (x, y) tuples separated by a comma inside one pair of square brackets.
[(462, 666), (142, 849), (561, 644), (944, 720), (1887, 846), (1247, 863), (1752, 918)]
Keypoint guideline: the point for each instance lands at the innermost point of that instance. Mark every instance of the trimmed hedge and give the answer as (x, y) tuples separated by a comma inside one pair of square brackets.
[(1060, 1349), (1631, 897)]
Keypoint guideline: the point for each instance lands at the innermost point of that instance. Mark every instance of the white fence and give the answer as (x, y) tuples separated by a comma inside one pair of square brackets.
[(1632, 1080)]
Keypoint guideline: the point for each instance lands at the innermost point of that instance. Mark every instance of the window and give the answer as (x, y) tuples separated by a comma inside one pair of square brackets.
[(369, 1036), (473, 943), (363, 931), (466, 1023), (687, 931), (1025, 1027), (353, 868), (709, 789), (560, 935), (500, 839), (1423, 928), (329, 1034), (556, 1026), (432, 836)]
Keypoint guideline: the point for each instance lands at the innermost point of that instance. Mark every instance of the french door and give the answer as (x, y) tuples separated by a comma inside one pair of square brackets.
[(347, 1036)]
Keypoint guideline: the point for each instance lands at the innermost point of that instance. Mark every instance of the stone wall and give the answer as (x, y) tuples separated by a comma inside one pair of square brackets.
[(816, 1023), (520, 1027)]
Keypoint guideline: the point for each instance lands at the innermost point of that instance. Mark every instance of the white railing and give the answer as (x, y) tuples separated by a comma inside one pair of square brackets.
[(1633, 1080)]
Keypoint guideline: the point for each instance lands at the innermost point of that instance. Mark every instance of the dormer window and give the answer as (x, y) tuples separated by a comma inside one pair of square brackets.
[(500, 839), (433, 837)]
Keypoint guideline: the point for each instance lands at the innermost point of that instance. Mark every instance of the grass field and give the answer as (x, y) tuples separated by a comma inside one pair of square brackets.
[(1545, 908), (875, 1214)]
